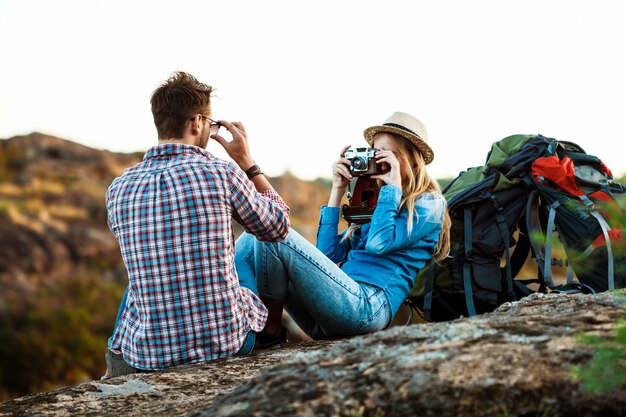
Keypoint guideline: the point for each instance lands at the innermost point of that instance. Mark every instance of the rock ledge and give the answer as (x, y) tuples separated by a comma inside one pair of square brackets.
[(516, 361)]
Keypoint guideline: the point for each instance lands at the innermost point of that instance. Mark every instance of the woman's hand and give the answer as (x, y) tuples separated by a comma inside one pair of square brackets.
[(341, 179), (341, 171), (391, 168)]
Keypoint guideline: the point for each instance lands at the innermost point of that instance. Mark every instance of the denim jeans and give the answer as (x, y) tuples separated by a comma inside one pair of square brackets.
[(120, 310), (319, 296)]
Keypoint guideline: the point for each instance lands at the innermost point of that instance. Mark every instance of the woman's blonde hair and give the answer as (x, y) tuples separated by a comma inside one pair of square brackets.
[(415, 182)]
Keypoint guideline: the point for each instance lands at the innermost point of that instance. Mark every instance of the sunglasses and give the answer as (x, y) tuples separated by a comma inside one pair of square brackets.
[(213, 125)]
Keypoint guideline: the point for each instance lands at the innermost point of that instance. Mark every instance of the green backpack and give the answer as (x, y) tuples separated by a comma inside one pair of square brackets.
[(487, 205), (529, 186)]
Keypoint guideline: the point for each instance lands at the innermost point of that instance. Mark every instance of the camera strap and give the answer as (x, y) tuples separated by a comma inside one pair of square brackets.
[(350, 190)]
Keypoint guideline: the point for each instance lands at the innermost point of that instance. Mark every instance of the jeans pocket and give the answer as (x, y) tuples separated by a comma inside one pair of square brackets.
[(378, 313)]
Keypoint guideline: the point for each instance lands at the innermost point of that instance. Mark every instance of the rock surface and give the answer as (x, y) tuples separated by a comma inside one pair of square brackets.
[(516, 361), (176, 392)]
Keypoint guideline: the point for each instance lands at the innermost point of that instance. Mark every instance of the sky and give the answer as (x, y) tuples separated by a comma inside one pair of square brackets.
[(307, 77)]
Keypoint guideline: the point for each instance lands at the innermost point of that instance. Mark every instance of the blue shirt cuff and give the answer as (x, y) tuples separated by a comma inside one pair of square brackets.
[(329, 215), (389, 194)]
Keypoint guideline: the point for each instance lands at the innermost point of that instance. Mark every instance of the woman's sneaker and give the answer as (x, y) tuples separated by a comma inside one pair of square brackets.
[(264, 342)]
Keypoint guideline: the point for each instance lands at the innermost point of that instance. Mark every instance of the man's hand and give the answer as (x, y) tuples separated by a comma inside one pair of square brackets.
[(238, 147)]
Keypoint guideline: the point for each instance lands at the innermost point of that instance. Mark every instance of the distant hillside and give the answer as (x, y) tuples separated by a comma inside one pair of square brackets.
[(52, 214), (61, 273)]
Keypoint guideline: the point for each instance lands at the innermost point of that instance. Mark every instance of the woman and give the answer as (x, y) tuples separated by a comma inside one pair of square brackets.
[(354, 282)]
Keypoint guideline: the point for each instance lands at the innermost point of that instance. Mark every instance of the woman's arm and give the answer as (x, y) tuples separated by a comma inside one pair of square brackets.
[(329, 242), (388, 230), (341, 179)]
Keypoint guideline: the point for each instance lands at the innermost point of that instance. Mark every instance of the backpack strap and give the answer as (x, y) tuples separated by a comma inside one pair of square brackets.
[(547, 270), (570, 272), (534, 228), (504, 231), (573, 288), (520, 253), (523, 289), (467, 276), (412, 308), (429, 284), (605, 230)]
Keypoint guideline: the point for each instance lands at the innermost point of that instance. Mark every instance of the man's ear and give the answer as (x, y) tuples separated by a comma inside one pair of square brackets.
[(196, 125)]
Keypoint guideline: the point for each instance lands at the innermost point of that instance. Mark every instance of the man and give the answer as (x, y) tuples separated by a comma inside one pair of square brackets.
[(171, 215)]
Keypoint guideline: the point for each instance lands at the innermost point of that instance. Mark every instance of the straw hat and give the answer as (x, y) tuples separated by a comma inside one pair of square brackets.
[(408, 127)]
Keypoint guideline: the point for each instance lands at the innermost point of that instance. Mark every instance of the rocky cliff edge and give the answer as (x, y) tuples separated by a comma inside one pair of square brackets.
[(516, 361)]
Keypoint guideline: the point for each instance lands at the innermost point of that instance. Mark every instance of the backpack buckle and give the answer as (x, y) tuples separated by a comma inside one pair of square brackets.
[(590, 204), (556, 262), (496, 204)]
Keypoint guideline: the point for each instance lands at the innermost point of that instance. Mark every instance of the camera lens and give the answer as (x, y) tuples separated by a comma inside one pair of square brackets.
[(359, 163)]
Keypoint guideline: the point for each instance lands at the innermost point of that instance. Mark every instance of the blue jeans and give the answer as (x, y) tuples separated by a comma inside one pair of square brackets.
[(319, 296)]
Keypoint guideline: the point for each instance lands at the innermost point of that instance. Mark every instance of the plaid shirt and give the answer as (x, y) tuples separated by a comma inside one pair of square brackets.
[(171, 215)]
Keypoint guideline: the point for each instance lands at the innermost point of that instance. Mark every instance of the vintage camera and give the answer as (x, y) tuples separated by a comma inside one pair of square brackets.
[(363, 199), (362, 161)]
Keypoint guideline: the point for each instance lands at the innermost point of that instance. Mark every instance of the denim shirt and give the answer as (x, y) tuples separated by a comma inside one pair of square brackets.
[(382, 252)]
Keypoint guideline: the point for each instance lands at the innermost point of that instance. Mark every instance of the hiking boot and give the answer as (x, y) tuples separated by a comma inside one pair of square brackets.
[(264, 341), (116, 365)]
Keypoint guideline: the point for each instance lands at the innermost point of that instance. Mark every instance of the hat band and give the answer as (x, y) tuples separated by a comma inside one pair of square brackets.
[(401, 128)]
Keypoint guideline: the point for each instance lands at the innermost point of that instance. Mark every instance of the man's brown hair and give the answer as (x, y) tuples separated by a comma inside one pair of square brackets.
[(176, 101)]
